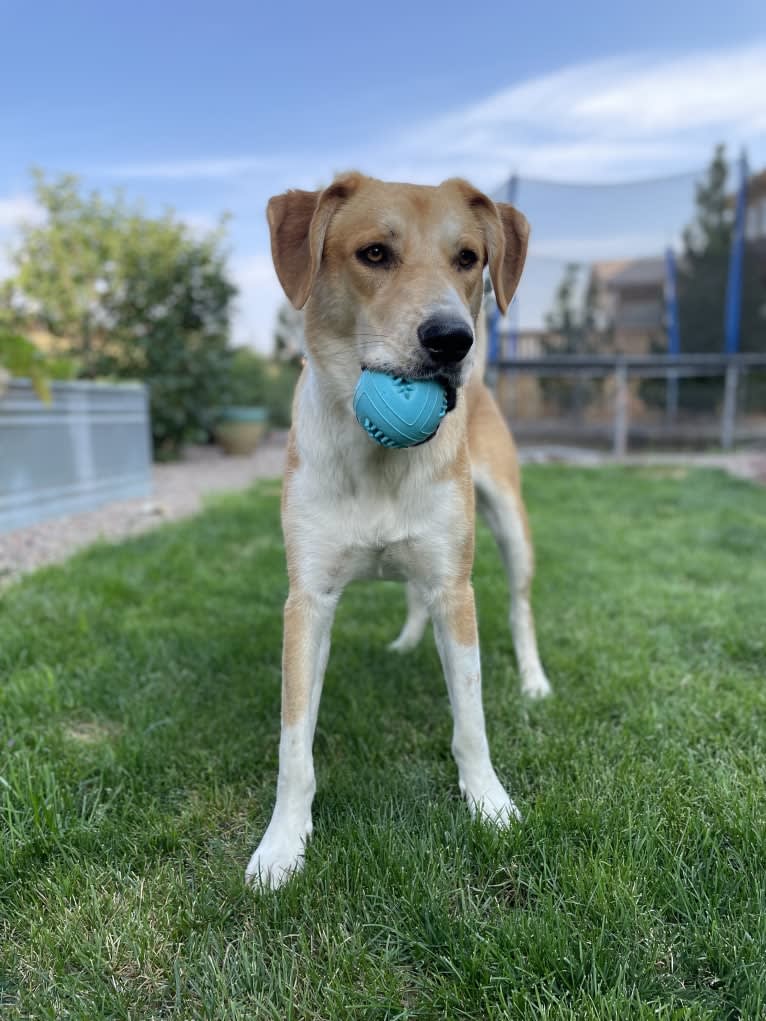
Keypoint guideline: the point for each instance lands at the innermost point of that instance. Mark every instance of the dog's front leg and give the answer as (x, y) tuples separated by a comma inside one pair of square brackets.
[(454, 617), (308, 622)]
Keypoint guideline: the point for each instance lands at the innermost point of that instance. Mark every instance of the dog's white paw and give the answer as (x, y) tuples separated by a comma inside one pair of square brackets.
[(534, 683), (274, 861), (490, 803)]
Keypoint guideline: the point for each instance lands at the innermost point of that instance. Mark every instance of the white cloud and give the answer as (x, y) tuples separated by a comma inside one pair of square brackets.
[(724, 89), (193, 169), (199, 223), (583, 249), (259, 298), (16, 209), (601, 120)]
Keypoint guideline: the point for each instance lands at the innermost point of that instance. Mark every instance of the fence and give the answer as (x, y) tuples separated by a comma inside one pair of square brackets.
[(89, 446), (609, 268), (618, 401)]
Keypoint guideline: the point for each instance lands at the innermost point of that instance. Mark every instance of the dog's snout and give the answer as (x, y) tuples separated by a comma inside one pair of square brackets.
[(447, 340)]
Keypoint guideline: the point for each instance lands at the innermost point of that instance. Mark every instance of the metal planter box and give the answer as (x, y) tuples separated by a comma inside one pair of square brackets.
[(88, 446)]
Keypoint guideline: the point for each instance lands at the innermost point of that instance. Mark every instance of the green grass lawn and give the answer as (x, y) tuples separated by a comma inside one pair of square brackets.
[(139, 706)]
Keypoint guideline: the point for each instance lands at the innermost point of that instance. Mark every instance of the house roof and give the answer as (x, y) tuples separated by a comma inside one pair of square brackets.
[(617, 274), (756, 186), (640, 273), (605, 270)]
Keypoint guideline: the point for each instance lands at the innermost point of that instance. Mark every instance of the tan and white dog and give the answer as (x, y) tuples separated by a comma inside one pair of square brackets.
[(391, 278)]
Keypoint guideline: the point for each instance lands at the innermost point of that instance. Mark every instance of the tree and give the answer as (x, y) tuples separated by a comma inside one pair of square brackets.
[(704, 268), (130, 296), (565, 319), (62, 266), (572, 331)]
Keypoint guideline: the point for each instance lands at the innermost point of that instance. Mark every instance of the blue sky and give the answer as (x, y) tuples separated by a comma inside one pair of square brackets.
[(212, 107)]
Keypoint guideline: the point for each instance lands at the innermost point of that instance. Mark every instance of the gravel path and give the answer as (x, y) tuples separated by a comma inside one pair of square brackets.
[(749, 465), (179, 489)]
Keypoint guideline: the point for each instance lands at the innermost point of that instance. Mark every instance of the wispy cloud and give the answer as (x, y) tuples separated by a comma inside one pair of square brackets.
[(192, 169), (584, 249), (16, 209), (601, 119), (724, 90), (259, 298), (640, 114)]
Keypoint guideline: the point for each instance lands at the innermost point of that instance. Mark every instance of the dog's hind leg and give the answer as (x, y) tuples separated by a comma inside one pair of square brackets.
[(414, 625), (496, 479)]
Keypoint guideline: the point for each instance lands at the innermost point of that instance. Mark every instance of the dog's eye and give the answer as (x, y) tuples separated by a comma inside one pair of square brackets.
[(374, 255), (467, 258)]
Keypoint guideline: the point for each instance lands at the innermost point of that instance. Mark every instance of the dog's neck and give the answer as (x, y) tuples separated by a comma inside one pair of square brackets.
[(331, 381)]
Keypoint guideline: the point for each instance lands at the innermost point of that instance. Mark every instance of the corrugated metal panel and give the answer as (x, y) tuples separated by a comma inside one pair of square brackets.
[(89, 446)]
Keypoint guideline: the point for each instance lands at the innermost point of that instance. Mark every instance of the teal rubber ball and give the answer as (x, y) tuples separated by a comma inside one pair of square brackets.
[(397, 412)]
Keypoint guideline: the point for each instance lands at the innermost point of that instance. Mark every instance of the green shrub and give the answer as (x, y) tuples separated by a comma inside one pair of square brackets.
[(264, 382), (130, 297)]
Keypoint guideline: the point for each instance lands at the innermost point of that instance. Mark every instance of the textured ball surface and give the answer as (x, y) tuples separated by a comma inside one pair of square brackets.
[(398, 412)]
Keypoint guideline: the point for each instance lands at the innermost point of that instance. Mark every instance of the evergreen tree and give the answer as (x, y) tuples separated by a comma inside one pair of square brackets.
[(704, 269)]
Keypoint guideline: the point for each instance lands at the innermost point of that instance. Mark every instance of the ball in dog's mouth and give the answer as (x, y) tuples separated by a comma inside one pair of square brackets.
[(398, 412)]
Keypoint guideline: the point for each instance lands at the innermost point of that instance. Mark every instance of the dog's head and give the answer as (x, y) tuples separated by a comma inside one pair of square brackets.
[(391, 274)]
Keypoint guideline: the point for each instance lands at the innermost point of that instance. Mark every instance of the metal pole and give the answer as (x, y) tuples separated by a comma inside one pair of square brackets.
[(621, 411), (729, 416), (493, 344)]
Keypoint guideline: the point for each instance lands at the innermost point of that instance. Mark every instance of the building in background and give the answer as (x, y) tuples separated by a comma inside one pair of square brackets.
[(629, 304), (755, 217)]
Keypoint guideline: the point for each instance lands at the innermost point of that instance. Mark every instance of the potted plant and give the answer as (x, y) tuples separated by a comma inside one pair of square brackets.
[(240, 427), (241, 423)]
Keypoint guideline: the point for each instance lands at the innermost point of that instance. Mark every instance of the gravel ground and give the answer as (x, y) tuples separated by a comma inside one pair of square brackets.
[(179, 490), (750, 465)]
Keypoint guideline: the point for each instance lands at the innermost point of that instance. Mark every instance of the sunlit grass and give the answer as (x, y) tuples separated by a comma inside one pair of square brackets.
[(140, 705)]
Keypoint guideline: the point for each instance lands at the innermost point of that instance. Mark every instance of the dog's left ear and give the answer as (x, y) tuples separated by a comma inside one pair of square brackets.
[(505, 267), (298, 222), (506, 233)]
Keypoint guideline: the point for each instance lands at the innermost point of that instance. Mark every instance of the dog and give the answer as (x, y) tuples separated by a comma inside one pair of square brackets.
[(391, 278)]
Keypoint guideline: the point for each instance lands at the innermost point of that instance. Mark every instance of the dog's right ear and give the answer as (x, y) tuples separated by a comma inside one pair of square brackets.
[(298, 222)]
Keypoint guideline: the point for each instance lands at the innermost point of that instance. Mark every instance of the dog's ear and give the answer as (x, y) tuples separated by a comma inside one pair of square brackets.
[(506, 260), (506, 233), (298, 222)]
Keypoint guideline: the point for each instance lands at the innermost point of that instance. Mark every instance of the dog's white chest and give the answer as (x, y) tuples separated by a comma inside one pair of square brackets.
[(369, 534)]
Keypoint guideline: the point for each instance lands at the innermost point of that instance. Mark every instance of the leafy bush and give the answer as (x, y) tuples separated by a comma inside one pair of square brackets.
[(130, 297), (20, 357), (264, 382)]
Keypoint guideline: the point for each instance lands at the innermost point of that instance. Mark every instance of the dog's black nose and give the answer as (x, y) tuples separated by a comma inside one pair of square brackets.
[(446, 340)]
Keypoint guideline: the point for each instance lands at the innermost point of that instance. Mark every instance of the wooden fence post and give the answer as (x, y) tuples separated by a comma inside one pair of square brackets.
[(729, 416), (620, 437)]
